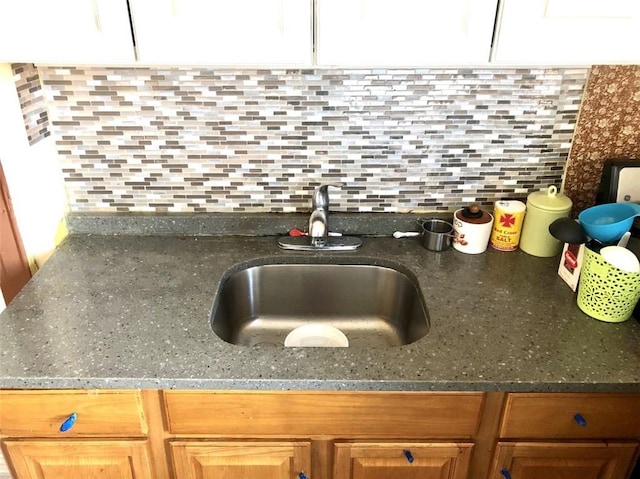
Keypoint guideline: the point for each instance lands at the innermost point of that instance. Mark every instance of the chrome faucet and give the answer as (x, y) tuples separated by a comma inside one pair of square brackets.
[(318, 238), (319, 219)]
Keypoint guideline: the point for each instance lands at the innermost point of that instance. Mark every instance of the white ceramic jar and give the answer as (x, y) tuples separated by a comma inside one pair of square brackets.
[(472, 229)]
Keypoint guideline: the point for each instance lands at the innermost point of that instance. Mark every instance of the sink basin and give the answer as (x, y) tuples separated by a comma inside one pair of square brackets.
[(373, 306)]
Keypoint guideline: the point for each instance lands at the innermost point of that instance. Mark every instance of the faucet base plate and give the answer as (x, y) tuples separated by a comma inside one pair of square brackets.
[(332, 243)]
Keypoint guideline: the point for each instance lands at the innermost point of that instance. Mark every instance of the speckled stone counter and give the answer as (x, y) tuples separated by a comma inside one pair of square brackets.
[(133, 312)]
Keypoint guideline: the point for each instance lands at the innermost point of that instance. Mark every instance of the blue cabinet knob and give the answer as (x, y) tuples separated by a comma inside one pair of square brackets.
[(302, 475), (579, 418), (408, 455), (505, 474), (68, 423)]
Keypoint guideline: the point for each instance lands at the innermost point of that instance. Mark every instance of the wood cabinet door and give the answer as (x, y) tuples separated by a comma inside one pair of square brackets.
[(223, 32), (568, 32), (86, 459), (14, 266), (562, 460), (241, 460), (370, 460), (66, 31), (404, 32)]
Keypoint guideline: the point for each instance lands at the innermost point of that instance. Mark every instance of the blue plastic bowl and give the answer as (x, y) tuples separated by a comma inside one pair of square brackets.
[(607, 223)]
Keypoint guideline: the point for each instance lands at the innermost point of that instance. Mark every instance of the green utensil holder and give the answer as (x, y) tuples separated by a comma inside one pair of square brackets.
[(605, 292)]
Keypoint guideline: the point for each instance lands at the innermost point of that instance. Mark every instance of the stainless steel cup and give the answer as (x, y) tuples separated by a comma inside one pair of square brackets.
[(436, 234)]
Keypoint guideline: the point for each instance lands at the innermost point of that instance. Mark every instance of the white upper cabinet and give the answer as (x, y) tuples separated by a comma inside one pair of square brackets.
[(223, 32), (65, 32), (348, 33), (404, 32), (568, 32)]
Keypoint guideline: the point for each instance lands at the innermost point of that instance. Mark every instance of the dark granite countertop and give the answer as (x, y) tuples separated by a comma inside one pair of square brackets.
[(133, 312)]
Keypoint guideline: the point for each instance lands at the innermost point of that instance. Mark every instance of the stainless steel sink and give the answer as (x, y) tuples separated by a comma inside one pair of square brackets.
[(372, 305)]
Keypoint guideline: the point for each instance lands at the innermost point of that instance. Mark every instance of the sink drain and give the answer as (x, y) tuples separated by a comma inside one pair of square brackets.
[(316, 336)]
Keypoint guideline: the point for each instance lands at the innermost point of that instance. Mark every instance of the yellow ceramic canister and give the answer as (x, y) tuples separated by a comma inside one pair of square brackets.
[(507, 224), (543, 208)]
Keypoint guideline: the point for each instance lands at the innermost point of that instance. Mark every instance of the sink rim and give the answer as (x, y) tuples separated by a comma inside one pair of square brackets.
[(331, 260)]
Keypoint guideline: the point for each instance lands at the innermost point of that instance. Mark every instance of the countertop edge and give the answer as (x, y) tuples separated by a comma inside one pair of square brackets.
[(314, 385)]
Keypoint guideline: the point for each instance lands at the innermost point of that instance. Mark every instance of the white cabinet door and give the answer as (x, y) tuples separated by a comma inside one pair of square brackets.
[(223, 32), (404, 32), (570, 32), (65, 31)]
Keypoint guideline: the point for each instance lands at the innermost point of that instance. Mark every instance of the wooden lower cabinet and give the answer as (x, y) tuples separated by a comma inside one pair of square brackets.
[(372, 460), (129, 434), (557, 460), (240, 459), (88, 459), (567, 436), (345, 434), (107, 439)]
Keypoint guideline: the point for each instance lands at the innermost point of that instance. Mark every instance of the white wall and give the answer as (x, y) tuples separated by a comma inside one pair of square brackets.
[(4, 469), (33, 176)]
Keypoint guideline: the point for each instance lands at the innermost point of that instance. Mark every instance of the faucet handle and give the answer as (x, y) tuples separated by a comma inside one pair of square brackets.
[(320, 197)]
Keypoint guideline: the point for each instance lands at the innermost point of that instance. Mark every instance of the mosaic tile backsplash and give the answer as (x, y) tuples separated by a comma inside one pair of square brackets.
[(201, 140), (34, 109)]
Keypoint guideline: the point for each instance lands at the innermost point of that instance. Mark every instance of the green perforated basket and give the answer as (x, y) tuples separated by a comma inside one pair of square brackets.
[(605, 292)]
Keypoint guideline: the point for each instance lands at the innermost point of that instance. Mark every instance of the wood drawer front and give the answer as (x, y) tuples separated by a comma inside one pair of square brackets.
[(353, 414), (40, 413), (553, 416)]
